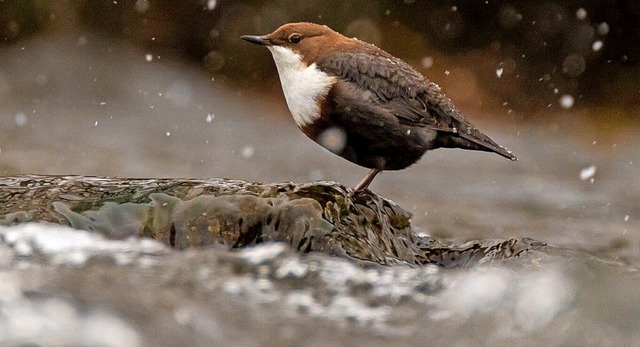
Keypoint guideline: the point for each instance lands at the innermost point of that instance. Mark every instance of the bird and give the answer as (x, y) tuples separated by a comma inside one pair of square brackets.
[(364, 104)]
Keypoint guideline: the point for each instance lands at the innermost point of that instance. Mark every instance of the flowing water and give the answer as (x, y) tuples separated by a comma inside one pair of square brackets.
[(81, 104)]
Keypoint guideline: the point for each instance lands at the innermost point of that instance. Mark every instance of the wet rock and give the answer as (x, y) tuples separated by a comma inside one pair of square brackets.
[(320, 216)]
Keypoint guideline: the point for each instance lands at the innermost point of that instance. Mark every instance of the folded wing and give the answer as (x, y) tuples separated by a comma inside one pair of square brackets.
[(405, 93)]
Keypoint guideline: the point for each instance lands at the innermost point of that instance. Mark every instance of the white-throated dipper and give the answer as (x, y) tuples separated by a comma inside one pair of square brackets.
[(364, 104)]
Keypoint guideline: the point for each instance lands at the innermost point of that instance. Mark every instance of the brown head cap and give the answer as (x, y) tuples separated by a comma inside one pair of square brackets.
[(308, 39)]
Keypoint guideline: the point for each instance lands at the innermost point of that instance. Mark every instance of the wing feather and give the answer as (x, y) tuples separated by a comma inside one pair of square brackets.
[(398, 87), (407, 94)]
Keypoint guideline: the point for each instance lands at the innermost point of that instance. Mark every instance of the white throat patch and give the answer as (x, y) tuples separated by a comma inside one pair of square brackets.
[(302, 85)]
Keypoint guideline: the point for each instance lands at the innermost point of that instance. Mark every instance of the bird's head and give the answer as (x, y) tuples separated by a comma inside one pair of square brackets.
[(307, 40)]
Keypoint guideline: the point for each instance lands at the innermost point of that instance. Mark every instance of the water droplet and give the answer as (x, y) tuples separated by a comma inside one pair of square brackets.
[(626, 218), (603, 28), (168, 133), (499, 72), (211, 4), (142, 6), (596, 46), (248, 151), (566, 101), (333, 139), (214, 61), (210, 117), (581, 14), (21, 119), (574, 65), (148, 57), (509, 16), (587, 173), (316, 175), (427, 62)]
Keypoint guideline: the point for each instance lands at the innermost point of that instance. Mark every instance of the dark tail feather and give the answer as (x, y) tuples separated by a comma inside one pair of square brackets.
[(474, 140)]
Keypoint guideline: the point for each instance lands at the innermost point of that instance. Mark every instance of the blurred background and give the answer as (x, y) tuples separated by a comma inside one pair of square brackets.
[(526, 56), (165, 88), (161, 88)]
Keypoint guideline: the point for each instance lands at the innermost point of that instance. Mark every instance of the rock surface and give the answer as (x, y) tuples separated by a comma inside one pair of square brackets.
[(320, 216)]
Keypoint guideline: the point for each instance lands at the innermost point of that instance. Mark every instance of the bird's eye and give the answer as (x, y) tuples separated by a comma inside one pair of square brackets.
[(295, 38)]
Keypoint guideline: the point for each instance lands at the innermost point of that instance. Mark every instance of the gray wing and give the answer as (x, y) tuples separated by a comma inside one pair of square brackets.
[(397, 87), (408, 95)]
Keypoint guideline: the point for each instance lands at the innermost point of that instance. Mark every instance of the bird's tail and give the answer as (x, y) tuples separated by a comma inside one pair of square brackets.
[(471, 138)]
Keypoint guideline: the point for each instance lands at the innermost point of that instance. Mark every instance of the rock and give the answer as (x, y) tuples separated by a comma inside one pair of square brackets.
[(320, 216)]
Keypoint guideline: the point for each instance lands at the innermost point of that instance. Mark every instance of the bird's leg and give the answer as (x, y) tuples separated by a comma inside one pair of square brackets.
[(367, 179)]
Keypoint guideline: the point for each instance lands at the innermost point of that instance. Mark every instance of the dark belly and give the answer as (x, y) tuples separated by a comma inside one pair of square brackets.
[(378, 145)]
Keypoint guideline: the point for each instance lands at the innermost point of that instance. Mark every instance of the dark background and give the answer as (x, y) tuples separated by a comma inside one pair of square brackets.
[(541, 51)]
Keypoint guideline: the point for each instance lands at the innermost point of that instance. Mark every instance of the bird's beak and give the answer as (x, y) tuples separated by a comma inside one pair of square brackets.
[(259, 40)]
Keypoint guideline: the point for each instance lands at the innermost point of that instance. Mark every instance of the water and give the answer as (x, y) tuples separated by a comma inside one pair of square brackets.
[(139, 292), (101, 108)]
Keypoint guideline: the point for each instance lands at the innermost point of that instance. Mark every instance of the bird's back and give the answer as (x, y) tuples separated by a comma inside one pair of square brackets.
[(399, 89)]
